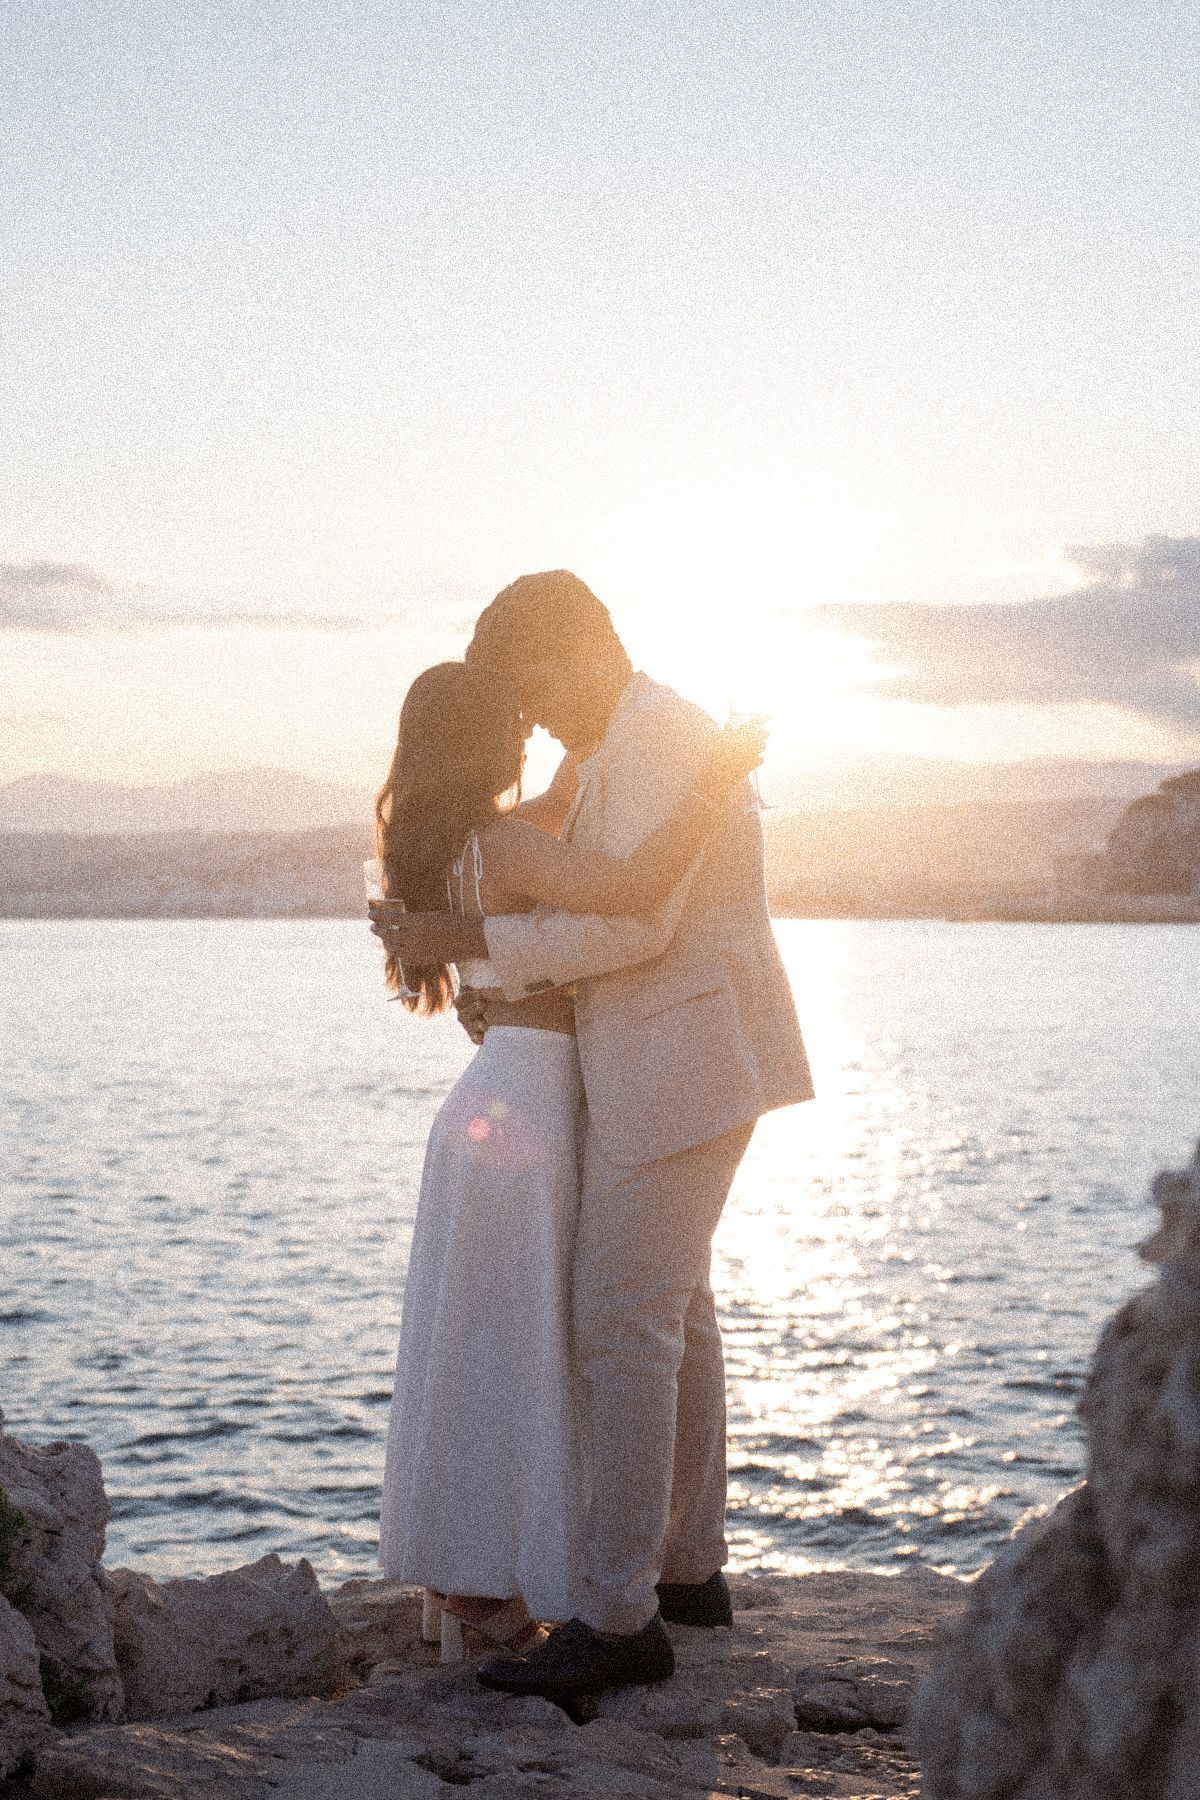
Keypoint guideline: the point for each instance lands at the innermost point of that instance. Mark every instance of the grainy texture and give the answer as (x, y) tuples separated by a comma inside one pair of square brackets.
[(24, 1715), (1077, 1672), (254, 1632), (725, 1725), (52, 1573)]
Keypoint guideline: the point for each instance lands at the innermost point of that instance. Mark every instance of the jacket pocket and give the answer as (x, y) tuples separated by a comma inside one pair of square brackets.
[(687, 984)]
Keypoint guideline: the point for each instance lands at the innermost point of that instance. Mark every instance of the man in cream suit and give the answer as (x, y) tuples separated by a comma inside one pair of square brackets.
[(687, 1033)]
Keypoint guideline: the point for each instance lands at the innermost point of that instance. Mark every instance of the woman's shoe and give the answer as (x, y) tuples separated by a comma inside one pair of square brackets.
[(431, 1615), (440, 1626), (454, 1650), (509, 1627)]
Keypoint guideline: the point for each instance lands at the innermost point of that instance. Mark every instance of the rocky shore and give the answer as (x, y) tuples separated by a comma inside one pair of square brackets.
[(806, 1695), (256, 1683), (1076, 1674), (1067, 1672)]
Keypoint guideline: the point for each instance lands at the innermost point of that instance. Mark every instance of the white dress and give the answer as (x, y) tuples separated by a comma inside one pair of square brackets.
[(483, 1488)]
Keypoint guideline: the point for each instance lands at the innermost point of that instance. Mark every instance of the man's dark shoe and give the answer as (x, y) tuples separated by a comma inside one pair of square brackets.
[(696, 1602), (575, 1660)]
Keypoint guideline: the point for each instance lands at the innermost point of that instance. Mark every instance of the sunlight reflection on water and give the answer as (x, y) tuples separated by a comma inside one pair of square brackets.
[(212, 1137), (913, 1270)]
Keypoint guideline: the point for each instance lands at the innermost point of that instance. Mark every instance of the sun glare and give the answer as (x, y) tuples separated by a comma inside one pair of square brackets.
[(728, 582)]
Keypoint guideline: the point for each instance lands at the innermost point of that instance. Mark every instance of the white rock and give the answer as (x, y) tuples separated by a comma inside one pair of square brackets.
[(53, 1567), (1077, 1673), (258, 1631), (235, 1753), (378, 1621), (377, 1771), (24, 1715), (424, 1728)]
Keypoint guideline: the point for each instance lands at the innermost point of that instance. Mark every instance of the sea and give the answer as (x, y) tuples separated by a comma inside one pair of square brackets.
[(211, 1136)]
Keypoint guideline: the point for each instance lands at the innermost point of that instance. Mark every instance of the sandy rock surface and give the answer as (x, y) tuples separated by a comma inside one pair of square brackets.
[(1077, 1673), (265, 1630), (24, 1715), (833, 1649), (52, 1572)]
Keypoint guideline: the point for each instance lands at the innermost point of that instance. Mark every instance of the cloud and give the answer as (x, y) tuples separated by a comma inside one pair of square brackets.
[(1126, 636), (283, 621), (72, 597), (55, 596), (30, 724)]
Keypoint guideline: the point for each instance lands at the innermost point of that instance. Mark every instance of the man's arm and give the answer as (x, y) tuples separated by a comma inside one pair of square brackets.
[(421, 938), (562, 946), (662, 754), (534, 951), (577, 877)]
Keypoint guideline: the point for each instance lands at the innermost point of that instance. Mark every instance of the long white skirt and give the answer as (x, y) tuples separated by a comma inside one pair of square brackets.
[(483, 1488)]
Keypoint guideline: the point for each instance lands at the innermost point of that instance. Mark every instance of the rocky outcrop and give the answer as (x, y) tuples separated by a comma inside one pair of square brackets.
[(106, 1646), (24, 1715), (51, 1573), (1077, 1673), (805, 1695), (1155, 846), (377, 1622), (835, 1650), (262, 1630)]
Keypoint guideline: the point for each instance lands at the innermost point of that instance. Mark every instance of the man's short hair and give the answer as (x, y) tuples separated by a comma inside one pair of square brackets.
[(539, 618)]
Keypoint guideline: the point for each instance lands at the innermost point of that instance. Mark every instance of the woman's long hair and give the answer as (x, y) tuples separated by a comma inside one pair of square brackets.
[(456, 767)]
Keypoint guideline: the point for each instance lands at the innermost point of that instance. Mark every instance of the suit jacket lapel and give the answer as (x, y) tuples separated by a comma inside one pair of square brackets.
[(592, 765), (568, 829)]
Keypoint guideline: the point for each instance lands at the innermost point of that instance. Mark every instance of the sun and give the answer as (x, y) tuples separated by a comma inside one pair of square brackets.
[(726, 585)]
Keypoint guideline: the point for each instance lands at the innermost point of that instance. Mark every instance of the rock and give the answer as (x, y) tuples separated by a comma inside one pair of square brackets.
[(235, 1753), (724, 1726), (732, 1687), (851, 1695), (1077, 1672), (24, 1715), (376, 1771), (51, 1572), (259, 1631), (376, 1621), (1155, 846)]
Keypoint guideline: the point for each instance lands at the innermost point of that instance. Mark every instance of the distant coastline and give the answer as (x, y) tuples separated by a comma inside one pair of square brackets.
[(1164, 912), (316, 875), (1089, 859), (1105, 909)]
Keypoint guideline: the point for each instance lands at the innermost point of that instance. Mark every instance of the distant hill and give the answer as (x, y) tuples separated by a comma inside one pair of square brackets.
[(261, 800), (265, 843), (185, 874), (926, 858), (876, 780), (228, 800), (837, 861), (1154, 847)]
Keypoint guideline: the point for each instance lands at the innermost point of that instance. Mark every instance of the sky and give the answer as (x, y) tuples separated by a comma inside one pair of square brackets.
[(849, 351)]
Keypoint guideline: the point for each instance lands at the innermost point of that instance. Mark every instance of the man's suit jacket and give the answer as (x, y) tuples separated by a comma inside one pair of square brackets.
[(685, 1017)]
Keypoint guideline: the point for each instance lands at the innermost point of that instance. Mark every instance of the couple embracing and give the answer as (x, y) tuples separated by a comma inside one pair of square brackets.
[(556, 1447)]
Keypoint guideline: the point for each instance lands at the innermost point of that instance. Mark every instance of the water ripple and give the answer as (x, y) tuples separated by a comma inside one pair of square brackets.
[(209, 1159)]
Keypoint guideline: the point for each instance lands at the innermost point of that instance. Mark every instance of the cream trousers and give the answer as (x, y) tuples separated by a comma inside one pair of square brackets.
[(652, 1376)]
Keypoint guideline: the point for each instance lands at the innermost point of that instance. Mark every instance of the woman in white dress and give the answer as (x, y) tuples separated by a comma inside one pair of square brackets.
[(485, 1484)]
